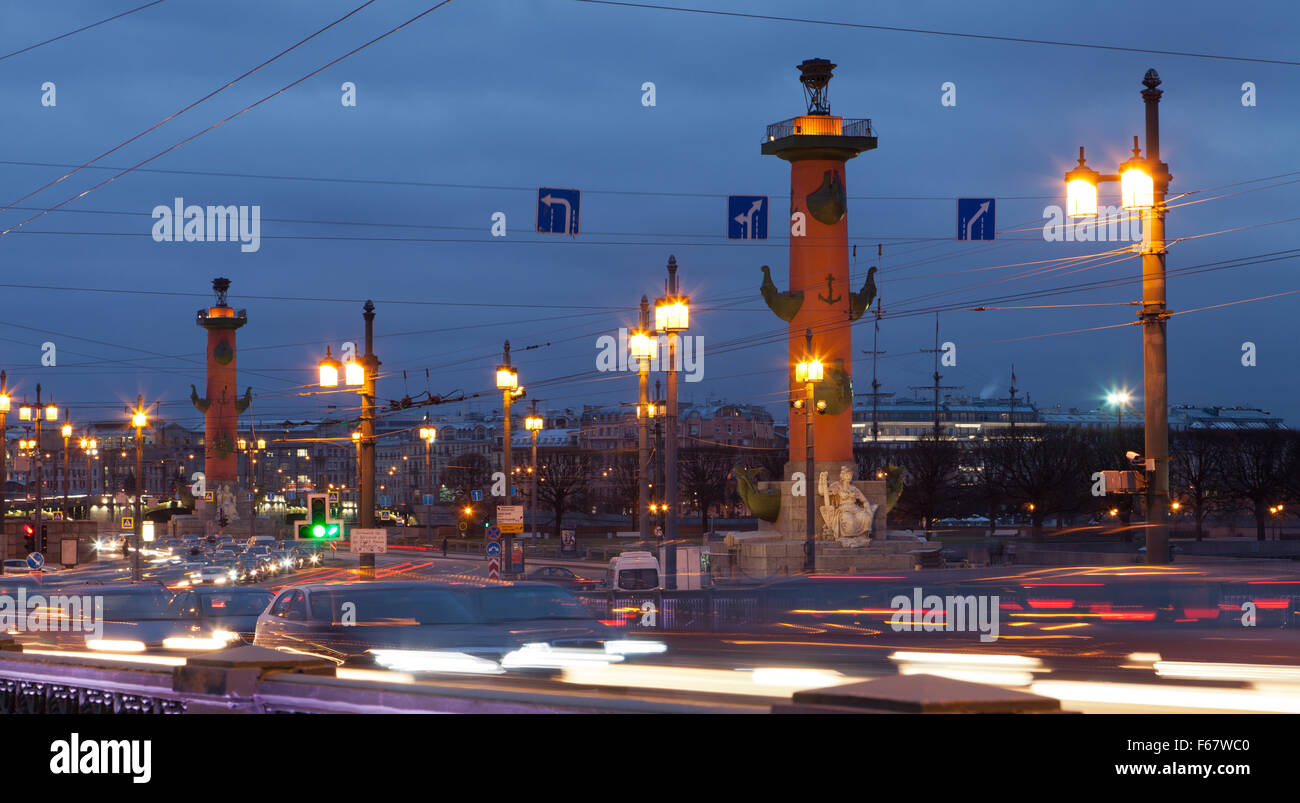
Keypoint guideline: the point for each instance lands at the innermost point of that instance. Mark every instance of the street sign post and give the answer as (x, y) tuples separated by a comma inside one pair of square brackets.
[(746, 217), (35, 561), (557, 210), (128, 523), (493, 548), (369, 541), (494, 533), (510, 518), (494, 568), (976, 218)]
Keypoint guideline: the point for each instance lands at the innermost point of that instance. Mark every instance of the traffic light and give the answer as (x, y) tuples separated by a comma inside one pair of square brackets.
[(45, 541), (29, 534), (320, 524)]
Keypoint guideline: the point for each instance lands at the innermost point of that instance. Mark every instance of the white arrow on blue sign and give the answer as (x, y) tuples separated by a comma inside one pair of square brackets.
[(35, 561), (476, 496), (494, 547), (976, 218), (746, 217), (557, 210)]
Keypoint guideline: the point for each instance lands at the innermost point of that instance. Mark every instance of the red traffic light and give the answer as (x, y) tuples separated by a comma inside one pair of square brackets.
[(28, 530)]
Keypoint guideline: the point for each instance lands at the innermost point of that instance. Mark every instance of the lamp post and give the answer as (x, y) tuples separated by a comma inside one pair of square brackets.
[(672, 315), (4, 447), (138, 421), (1143, 186), (89, 447), (66, 431), (808, 372), (508, 384), (533, 423), (1119, 399), (643, 347), (429, 435), (36, 413), (361, 373)]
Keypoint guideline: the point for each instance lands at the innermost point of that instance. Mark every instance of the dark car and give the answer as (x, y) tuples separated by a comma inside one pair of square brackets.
[(224, 614), (559, 575), (125, 617), (345, 621), (537, 613)]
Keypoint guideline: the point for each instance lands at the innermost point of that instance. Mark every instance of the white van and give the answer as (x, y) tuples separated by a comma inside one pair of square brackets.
[(633, 571)]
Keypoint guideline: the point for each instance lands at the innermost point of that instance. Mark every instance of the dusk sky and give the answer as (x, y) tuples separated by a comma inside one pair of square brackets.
[(467, 111)]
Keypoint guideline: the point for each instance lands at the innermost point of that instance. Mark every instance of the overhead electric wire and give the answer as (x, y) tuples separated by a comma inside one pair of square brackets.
[(230, 117), (932, 32), (79, 30)]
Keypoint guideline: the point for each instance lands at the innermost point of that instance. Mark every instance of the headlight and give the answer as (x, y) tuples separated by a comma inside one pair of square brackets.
[(635, 647), (114, 645), (193, 643), (220, 581)]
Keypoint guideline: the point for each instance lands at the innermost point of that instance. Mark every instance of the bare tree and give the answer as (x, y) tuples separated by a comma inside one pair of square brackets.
[(705, 474), (563, 481), (931, 465), (1197, 461), (1256, 471), (469, 471), (1048, 472)]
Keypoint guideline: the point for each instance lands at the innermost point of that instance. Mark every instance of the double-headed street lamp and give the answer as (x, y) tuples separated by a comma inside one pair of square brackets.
[(66, 432), (90, 448), (250, 447), (508, 384), (37, 413), (361, 373), (429, 435), (672, 316), (808, 372), (1144, 183), (534, 423)]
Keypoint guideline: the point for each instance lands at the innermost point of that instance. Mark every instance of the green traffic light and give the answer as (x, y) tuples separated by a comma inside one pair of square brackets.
[(318, 530), (334, 529)]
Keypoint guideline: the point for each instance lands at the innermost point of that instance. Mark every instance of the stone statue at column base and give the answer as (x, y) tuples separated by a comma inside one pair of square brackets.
[(846, 513)]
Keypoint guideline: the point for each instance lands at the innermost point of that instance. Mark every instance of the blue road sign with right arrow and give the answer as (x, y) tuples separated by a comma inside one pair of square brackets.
[(746, 217), (976, 218), (35, 561), (557, 210)]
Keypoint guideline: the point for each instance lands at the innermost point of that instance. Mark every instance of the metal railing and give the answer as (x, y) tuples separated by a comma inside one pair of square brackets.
[(815, 124)]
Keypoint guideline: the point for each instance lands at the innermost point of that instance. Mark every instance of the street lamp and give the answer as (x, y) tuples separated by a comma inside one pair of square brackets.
[(429, 435), (508, 384), (1144, 183), (4, 442), (361, 372), (140, 422), (534, 424), (1118, 399), (29, 412), (672, 316), (807, 372), (89, 447), (644, 346), (66, 432)]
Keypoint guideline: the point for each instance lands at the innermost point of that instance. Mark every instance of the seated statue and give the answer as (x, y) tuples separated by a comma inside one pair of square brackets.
[(846, 511)]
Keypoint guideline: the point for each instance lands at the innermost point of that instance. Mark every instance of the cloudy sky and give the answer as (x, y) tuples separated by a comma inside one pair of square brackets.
[(466, 111)]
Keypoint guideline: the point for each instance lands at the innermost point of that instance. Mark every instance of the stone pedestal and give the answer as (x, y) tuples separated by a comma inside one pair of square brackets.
[(776, 549)]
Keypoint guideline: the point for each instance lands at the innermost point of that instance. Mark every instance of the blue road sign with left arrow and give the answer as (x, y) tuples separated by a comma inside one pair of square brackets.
[(557, 210), (976, 218), (746, 217)]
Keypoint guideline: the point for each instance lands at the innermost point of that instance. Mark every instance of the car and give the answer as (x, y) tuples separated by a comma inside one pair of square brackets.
[(125, 617), (224, 556), (257, 549), (16, 565), (561, 576), (223, 614), (537, 613), (246, 567), (283, 560), (344, 622), (215, 573)]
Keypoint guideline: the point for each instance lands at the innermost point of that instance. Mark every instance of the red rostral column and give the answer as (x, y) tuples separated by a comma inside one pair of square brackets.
[(222, 406), (817, 145)]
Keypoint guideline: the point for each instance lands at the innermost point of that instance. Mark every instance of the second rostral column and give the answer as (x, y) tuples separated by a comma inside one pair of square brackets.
[(222, 405), (817, 145)]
